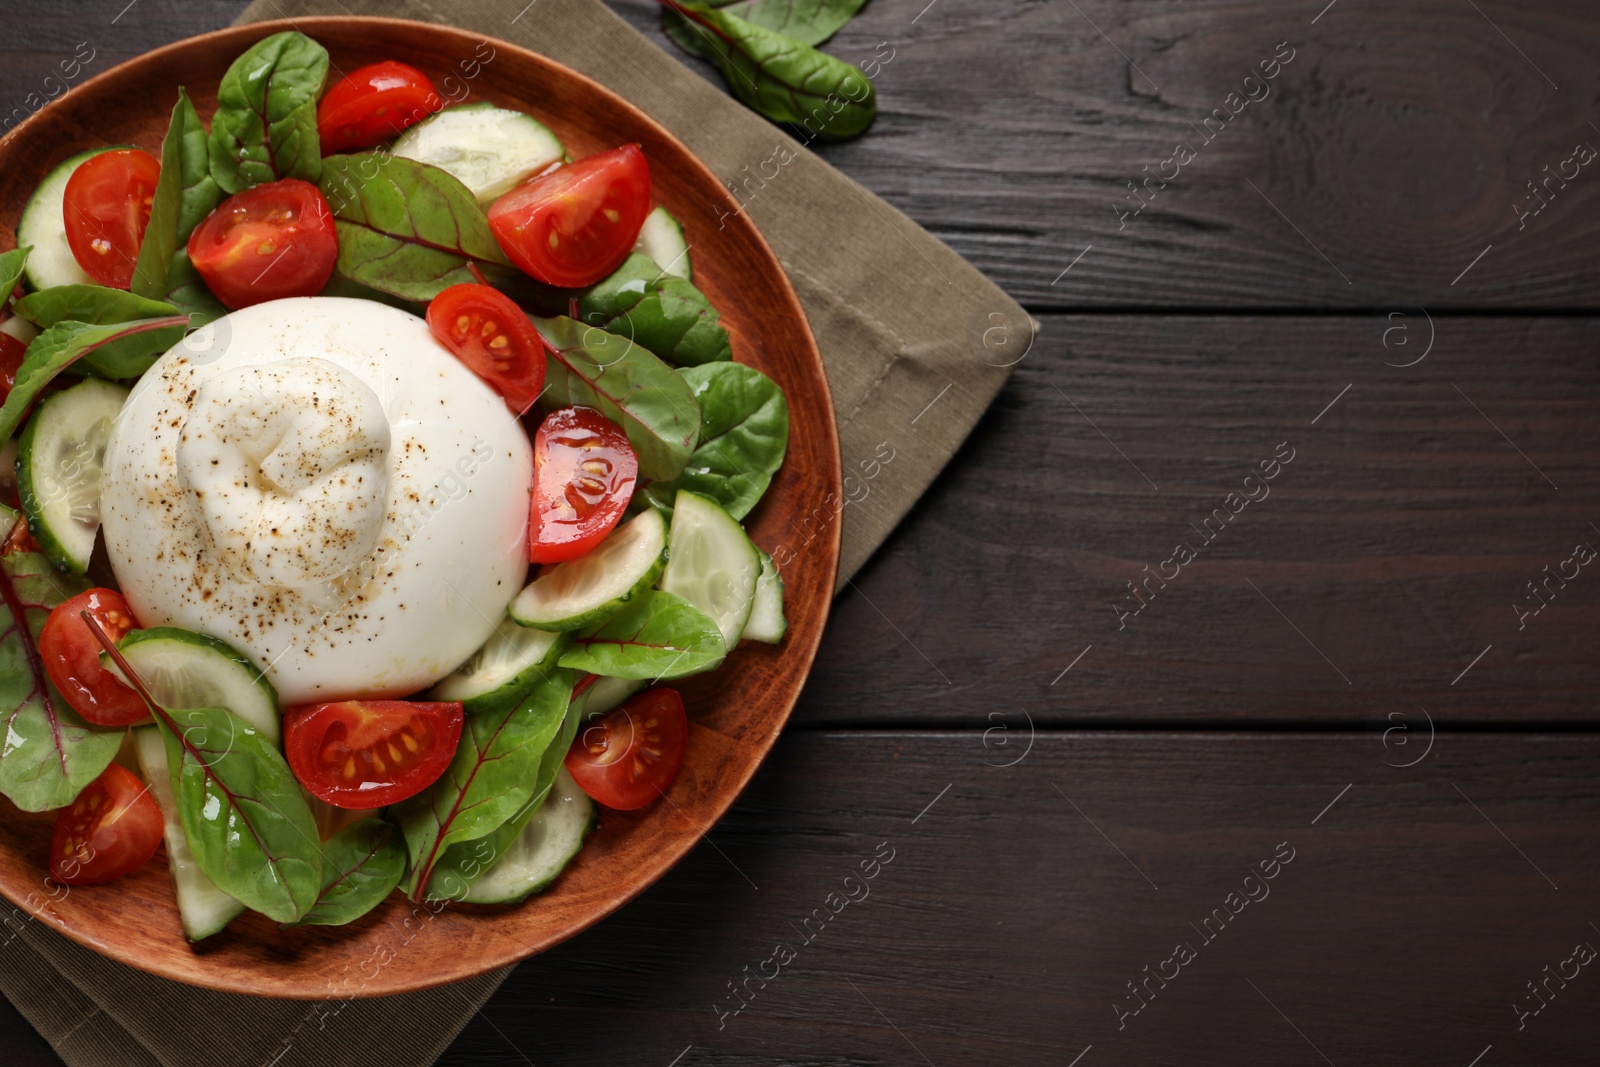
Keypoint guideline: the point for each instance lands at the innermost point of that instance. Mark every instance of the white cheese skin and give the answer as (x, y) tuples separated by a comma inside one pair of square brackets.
[(319, 483)]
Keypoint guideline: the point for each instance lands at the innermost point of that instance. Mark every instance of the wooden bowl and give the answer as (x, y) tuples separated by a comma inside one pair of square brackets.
[(735, 713)]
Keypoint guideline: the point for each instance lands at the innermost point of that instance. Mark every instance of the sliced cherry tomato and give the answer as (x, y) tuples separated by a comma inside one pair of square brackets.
[(574, 225), (370, 753), (266, 243), (584, 471), (374, 104), (72, 658), (20, 539), (628, 757), (111, 830), (106, 210), (486, 330)]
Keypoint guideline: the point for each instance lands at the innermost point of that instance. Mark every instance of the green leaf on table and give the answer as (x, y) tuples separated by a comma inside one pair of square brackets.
[(807, 21), (493, 775), (783, 79), (464, 862), (405, 228), (361, 865), (103, 306), (50, 753), (67, 342), (744, 433), (185, 194), (662, 312), (11, 264), (587, 366), (265, 125), (248, 824), (655, 635)]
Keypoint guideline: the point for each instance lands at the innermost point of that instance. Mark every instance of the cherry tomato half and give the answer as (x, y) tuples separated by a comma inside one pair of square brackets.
[(374, 104), (11, 353), (111, 830), (106, 211), (486, 330), (572, 226), (584, 472), (370, 753), (266, 243), (628, 757), (20, 539), (72, 658)]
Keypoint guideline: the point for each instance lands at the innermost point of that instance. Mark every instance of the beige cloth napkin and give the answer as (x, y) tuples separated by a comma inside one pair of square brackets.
[(916, 343)]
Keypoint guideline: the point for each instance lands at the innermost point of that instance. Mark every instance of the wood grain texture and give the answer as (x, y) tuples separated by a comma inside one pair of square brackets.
[(739, 709), (1384, 156), (1007, 924), (1395, 543)]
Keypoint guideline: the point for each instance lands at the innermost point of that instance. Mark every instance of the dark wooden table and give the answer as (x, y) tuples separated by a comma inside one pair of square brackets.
[(1372, 681)]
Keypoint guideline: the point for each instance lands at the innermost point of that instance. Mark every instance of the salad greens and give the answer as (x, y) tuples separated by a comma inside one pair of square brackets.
[(361, 865), (744, 432), (100, 305), (185, 194), (11, 264), (807, 21), (265, 127), (662, 312), (655, 635)]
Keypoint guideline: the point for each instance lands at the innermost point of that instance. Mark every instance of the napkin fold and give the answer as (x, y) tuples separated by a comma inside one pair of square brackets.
[(915, 342)]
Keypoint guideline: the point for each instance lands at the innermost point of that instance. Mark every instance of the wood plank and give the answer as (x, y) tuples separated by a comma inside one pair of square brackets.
[(1395, 543), (1007, 925), (1385, 156)]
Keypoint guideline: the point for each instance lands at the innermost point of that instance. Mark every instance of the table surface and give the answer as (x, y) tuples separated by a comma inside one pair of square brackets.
[(1097, 685)]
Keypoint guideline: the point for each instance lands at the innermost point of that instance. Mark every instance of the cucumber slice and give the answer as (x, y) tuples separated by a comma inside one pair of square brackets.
[(184, 669), (489, 149), (711, 563), (767, 623), (202, 907), (662, 240), (58, 469), (607, 693), (20, 328), (552, 837), (572, 595), (500, 673), (51, 262)]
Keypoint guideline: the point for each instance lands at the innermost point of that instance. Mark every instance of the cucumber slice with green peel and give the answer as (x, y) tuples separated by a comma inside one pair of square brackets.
[(58, 469), (43, 226), (553, 835), (500, 673), (608, 693), (711, 563), (662, 240), (570, 596), (184, 669), (202, 907), (767, 623), (488, 149)]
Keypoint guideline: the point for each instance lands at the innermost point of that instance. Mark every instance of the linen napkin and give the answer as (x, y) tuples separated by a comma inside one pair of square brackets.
[(915, 343)]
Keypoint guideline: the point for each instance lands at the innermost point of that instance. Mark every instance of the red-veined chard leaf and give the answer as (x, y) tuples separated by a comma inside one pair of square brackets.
[(655, 635), (265, 125), (405, 228), (49, 753), (807, 21), (493, 775), (361, 865), (66, 342), (662, 312), (102, 306), (627, 384), (185, 194), (783, 79)]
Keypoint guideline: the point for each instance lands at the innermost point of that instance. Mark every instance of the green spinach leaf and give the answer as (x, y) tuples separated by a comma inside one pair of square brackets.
[(662, 312), (783, 79), (187, 291), (744, 433), (185, 194), (361, 865), (405, 228), (655, 635), (492, 776), (807, 21), (246, 820), (102, 306), (11, 264), (587, 366), (265, 126), (49, 753), (63, 344)]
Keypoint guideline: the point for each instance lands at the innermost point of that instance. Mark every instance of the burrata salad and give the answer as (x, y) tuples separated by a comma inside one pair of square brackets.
[(376, 463)]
